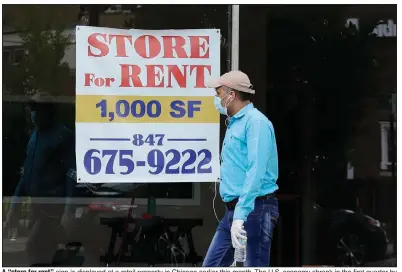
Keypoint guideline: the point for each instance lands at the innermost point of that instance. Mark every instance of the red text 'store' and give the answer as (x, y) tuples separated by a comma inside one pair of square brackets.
[(148, 46)]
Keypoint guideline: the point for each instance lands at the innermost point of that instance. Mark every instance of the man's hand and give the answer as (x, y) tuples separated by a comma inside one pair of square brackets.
[(238, 233)]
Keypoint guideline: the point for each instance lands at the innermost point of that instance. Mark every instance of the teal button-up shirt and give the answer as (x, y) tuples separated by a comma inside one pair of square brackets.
[(50, 157), (249, 160)]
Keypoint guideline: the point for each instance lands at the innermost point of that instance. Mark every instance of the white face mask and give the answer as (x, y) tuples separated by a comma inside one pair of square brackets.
[(218, 104)]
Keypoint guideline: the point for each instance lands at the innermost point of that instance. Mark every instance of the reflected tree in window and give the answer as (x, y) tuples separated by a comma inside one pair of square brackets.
[(35, 62), (41, 67)]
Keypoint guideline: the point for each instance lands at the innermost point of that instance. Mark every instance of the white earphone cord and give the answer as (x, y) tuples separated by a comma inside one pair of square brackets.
[(213, 202)]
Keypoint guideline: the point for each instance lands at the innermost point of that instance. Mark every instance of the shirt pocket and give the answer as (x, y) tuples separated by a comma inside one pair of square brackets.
[(238, 141)]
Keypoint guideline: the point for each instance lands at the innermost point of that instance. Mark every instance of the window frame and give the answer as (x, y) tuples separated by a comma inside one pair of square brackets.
[(385, 163), (12, 50)]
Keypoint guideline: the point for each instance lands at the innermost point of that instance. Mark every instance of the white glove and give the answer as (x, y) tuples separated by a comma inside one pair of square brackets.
[(238, 233)]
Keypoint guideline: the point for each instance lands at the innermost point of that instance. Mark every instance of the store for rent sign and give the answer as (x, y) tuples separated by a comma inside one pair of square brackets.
[(143, 112)]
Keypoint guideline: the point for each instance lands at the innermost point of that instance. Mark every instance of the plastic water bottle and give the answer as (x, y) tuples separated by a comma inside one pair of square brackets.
[(240, 253)]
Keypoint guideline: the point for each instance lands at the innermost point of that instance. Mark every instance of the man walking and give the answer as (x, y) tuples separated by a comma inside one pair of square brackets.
[(50, 157), (249, 171)]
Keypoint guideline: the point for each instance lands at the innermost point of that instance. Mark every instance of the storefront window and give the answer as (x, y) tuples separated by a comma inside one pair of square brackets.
[(320, 81), (39, 56)]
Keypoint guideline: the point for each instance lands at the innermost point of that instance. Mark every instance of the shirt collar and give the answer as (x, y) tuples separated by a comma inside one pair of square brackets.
[(243, 111)]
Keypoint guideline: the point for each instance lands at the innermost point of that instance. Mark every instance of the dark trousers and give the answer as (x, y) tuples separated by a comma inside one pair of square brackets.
[(259, 227), (46, 233)]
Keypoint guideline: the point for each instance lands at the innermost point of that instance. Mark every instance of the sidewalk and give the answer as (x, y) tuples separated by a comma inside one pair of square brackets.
[(14, 246), (14, 253), (384, 263)]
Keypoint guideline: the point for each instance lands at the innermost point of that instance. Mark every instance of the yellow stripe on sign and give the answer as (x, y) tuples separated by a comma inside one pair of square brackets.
[(145, 109)]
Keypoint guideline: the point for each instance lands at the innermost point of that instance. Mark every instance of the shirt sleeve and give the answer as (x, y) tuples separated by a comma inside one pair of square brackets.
[(259, 136), (68, 160), (20, 190)]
